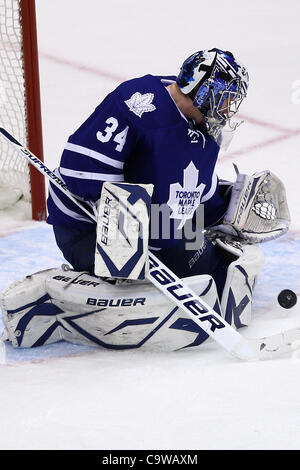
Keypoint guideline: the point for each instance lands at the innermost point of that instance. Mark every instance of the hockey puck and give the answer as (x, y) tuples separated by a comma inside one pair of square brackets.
[(287, 298)]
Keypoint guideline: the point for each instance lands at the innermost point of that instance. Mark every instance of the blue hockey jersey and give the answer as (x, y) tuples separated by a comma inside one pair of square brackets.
[(139, 135)]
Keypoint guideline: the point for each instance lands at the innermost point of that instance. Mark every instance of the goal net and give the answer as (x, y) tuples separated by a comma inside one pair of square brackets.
[(20, 105)]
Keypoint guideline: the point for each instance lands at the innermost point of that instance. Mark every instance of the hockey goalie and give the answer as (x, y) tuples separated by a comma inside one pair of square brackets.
[(140, 174), (119, 308)]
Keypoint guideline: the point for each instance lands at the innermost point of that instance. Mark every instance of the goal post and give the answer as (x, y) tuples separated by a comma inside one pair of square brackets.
[(33, 105), (20, 106)]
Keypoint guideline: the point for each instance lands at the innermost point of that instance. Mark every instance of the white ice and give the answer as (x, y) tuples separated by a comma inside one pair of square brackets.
[(69, 397)]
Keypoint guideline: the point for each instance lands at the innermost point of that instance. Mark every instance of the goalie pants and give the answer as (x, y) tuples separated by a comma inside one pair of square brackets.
[(78, 248)]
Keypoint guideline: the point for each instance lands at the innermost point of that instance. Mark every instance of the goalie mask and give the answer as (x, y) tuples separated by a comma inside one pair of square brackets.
[(217, 84)]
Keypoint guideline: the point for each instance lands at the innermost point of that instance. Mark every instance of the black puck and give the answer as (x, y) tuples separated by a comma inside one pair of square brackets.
[(287, 298)]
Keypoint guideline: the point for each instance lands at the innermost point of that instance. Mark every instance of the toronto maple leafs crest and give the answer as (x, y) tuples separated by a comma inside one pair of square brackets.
[(184, 200), (140, 104)]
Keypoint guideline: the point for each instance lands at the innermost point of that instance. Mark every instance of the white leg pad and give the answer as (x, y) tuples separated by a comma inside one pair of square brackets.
[(236, 302), (55, 305)]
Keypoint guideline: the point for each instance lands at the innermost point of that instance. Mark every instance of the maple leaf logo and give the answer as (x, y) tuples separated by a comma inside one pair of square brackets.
[(140, 104), (184, 200)]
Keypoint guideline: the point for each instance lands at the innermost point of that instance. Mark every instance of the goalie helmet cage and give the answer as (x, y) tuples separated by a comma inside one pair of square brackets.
[(20, 108)]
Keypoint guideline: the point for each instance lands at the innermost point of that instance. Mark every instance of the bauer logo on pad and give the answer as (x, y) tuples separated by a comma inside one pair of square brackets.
[(123, 231)]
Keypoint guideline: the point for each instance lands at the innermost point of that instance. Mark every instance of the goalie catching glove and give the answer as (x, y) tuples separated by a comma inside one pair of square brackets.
[(257, 210)]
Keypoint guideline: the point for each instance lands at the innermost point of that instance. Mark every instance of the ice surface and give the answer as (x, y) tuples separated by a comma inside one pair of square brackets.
[(69, 397)]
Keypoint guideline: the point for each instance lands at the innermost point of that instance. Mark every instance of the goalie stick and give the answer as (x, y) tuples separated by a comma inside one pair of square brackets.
[(175, 289)]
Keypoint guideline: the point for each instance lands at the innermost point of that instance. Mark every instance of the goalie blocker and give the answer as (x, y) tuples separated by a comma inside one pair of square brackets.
[(56, 305), (123, 231)]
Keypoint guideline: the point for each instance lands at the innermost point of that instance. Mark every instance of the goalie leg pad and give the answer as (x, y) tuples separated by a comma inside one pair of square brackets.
[(236, 300), (57, 305), (28, 313)]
